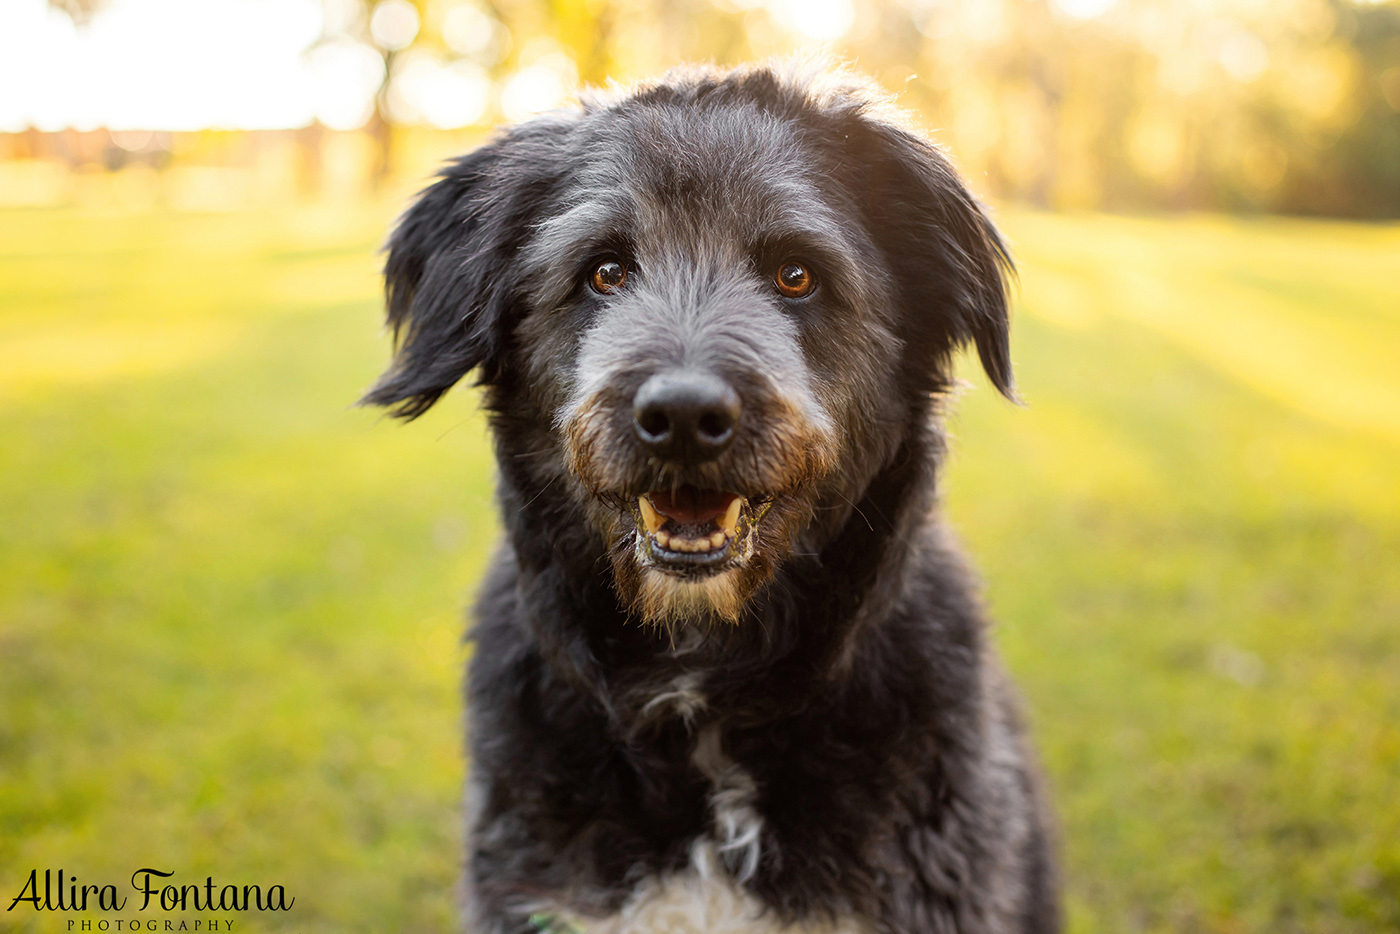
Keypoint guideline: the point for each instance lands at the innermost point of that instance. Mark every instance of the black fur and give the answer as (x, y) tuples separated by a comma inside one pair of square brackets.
[(850, 709)]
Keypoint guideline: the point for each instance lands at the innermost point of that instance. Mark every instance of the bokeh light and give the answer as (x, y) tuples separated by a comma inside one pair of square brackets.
[(394, 24), (445, 95), (345, 76), (468, 30), (544, 81)]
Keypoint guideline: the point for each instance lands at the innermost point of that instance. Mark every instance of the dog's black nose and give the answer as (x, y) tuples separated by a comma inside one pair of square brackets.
[(685, 416)]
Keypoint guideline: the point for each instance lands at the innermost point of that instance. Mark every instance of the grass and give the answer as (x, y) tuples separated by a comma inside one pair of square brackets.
[(229, 601)]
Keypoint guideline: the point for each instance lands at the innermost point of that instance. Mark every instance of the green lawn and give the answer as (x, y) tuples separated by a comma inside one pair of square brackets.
[(229, 602)]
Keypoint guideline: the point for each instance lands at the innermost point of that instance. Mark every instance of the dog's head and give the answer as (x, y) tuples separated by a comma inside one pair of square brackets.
[(713, 309)]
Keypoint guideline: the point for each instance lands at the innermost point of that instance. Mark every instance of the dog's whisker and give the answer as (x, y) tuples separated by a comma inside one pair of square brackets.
[(451, 429), (544, 489), (856, 508)]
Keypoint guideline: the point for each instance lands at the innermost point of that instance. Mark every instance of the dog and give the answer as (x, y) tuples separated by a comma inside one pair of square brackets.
[(730, 673)]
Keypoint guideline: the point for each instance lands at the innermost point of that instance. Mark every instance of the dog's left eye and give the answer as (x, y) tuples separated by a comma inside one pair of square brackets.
[(795, 280), (608, 276)]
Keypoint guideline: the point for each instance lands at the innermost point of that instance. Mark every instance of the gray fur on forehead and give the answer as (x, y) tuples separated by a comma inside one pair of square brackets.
[(709, 177), (686, 149)]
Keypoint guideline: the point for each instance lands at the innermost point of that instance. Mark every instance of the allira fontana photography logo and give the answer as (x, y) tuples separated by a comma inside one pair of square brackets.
[(50, 890)]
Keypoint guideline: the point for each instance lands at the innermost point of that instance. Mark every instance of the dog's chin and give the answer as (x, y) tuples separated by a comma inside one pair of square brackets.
[(690, 554), (670, 601)]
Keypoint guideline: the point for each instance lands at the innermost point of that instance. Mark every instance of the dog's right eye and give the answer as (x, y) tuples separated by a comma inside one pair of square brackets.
[(795, 280), (608, 276)]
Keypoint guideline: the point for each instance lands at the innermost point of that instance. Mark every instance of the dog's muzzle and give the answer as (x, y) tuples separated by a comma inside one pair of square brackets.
[(686, 418)]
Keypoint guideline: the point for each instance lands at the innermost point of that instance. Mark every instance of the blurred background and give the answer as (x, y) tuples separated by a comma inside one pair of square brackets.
[(1260, 105), (230, 602)]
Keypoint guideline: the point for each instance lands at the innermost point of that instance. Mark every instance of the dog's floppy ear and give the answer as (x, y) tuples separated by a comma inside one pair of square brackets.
[(948, 258), (448, 283)]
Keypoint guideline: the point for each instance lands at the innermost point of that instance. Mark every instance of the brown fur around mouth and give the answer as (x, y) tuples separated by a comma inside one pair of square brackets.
[(789, 455)]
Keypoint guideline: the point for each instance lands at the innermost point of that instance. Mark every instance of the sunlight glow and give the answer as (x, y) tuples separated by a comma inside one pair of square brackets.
[(158, 64), (394, 24), (247, 64), (1244, 57), (822, 20), (469, 30), (1085, 9), (344, 77), (427, 90), (544, 82), (530, 91)]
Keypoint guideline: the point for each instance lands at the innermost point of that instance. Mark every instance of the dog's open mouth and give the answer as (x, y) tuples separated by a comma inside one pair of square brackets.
[(689, 530)]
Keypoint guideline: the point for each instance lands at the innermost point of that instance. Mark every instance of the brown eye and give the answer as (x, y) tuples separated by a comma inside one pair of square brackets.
[(795, 280), (608, 276)]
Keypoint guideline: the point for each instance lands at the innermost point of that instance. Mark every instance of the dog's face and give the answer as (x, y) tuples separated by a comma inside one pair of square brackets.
[(712, 310)]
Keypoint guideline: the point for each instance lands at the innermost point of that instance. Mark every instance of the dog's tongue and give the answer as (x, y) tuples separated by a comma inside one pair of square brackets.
[(691, 506)]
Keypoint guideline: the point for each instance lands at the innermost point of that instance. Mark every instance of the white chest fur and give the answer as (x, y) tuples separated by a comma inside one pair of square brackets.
[(697, 902)]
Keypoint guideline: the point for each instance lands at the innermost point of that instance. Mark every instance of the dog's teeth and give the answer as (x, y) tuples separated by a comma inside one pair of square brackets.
[(701, 544), (716, 539), (650, 516), (663, 538), (730, 522)]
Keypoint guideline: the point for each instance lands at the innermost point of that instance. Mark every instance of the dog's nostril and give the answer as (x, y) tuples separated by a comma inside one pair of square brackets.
[(653, 424), (715, 427)]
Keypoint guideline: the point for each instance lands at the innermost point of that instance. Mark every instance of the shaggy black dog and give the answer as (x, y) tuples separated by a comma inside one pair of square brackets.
[(730, 673)]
